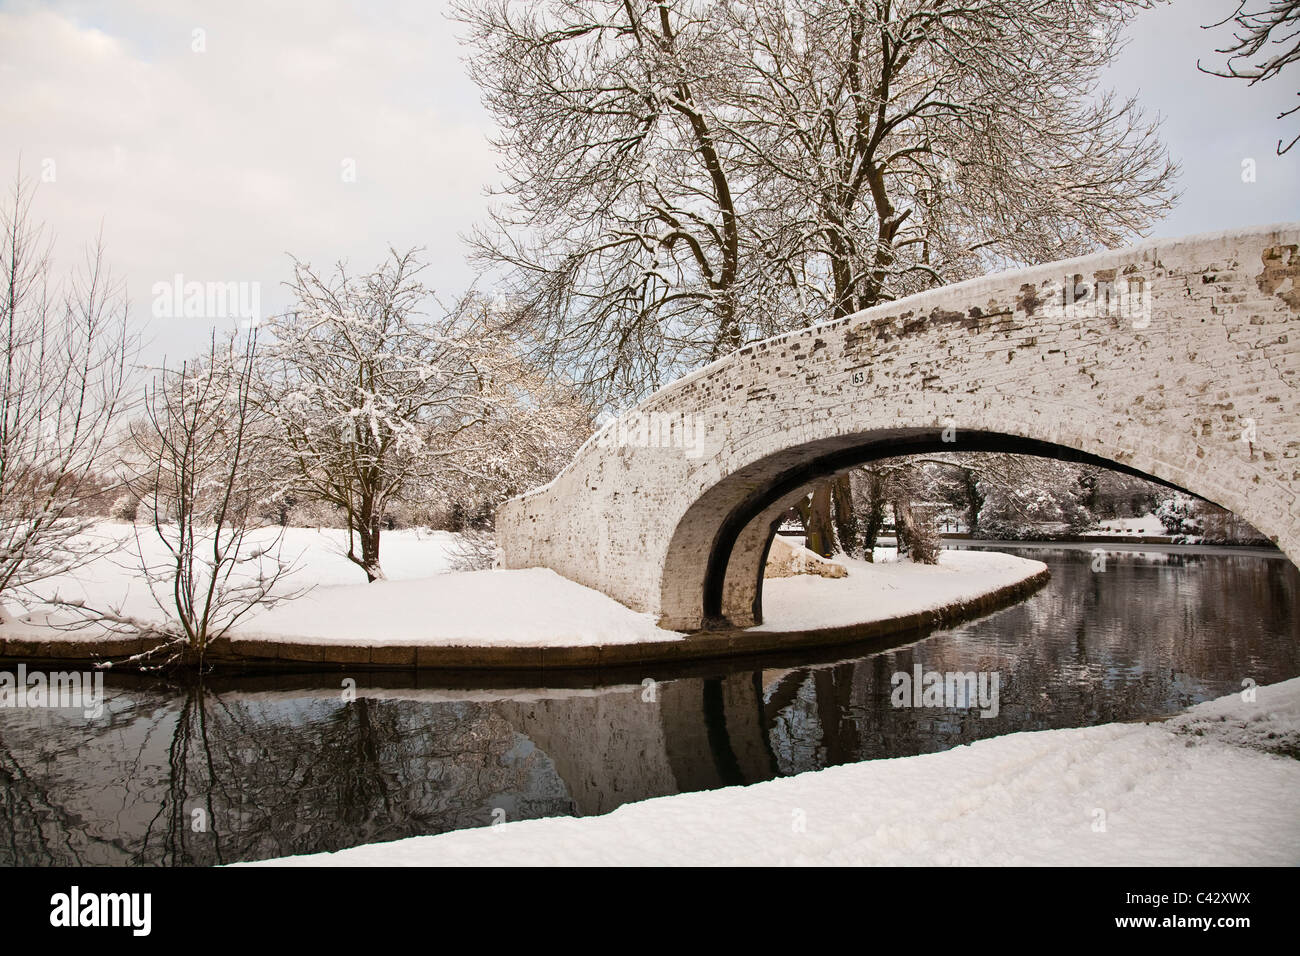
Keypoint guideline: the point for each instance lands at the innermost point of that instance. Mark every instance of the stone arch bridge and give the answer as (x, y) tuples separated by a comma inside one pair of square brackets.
[(1172, 359)]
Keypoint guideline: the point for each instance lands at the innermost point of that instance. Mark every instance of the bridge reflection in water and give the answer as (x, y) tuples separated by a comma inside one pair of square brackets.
[(283, 765)]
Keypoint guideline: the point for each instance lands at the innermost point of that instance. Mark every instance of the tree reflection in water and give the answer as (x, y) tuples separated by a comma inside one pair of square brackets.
[(206, 777)]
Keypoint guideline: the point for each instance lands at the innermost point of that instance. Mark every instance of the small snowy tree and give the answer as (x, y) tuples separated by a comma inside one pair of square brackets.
[(532, 427), (1185, 516), (126, 507), (201, 450), (1028, 496), (1177, 513), (63, 379), (372, 397)]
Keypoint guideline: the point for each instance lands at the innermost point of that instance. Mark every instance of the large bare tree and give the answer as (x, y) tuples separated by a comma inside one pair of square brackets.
[(912, 143), (684, 176)]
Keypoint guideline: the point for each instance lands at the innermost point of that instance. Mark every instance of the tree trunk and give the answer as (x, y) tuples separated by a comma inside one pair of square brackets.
[(916, 537), (817, 520), (846, 525), (727, 338), (902, 525), (370, 551), (875, 511), (367, 527), (974, 500)]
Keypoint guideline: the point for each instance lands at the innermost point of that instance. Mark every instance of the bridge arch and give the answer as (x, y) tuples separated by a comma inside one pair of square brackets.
[(1177, 360), (714, 565)]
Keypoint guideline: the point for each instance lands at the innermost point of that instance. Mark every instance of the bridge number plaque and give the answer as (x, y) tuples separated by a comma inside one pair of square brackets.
[(859, 376)]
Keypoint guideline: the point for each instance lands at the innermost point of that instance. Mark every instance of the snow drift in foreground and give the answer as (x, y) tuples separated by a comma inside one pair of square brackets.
[(1201, 788), (422, 601)]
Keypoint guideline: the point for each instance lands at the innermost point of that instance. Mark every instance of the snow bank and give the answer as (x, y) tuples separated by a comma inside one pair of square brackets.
[(1271, 724), (523, 608), (536, 606), (1113, 795), (786, 559), (114, 580), (887, 588), (422, 602), (1146, 526)]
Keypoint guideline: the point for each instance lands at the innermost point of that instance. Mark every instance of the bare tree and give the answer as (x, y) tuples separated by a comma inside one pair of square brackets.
[(371, 397), (63, 382), (622, 227), (199, 475), (1264, 41), (821, 157), (912, 143), (676, 168)]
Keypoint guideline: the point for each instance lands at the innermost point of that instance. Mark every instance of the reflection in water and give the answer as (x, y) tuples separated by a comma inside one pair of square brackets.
[(276, 766), (1150, 635)]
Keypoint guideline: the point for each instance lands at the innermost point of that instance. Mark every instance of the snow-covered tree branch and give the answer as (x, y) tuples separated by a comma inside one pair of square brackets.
[(1265, 40), (378, 402)]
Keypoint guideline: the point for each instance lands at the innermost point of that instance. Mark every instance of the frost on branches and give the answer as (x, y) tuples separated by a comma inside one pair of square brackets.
[(382, 404)]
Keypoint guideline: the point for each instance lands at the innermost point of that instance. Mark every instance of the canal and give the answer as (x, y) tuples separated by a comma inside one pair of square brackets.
[(261, 766)]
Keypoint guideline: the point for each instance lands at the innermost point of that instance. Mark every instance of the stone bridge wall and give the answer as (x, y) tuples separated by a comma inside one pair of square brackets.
[(1173, 358)]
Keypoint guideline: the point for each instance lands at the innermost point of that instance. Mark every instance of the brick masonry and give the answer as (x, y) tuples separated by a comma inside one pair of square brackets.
[(1172, 358)]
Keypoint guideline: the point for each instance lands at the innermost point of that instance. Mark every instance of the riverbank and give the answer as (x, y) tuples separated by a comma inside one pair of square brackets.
[(1216, 785), (426, 615)]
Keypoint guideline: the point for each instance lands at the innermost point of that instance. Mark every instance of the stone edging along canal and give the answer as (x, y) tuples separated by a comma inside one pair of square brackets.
[(254, 654)]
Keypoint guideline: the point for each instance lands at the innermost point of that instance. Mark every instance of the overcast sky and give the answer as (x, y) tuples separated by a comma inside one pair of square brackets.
[(215, 162)]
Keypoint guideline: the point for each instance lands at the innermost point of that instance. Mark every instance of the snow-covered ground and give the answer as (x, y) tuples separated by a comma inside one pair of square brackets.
[(523, 608), (1147, 525), (887, 588), (1204, 788), (423, 601)]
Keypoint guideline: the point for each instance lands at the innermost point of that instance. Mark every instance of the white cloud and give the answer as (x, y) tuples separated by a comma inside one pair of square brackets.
[(215, 164)]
